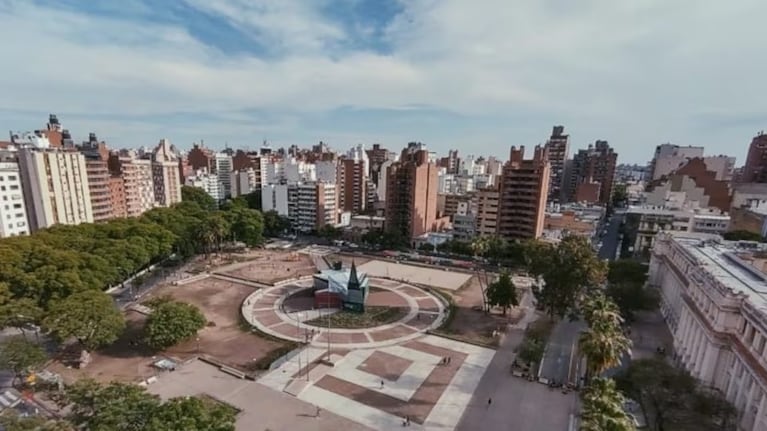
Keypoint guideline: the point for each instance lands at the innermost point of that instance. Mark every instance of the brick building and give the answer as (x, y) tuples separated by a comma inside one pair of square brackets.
[(755, 170), (411, 192), (524, 187)]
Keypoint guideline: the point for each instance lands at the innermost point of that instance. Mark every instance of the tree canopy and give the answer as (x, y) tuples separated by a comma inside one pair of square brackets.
[(672, 399), (20, 355), (742, 235), (128, 407), (198, 196), (171, 322), (602, 408), (603, 344), (567, 271), (627, 287), (502, 292), (89, 316), (275, 224)]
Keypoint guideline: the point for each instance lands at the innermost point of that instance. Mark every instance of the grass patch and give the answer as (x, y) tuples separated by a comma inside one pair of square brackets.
[(210, 401), (531, 349), (264, 362), (372, 317)]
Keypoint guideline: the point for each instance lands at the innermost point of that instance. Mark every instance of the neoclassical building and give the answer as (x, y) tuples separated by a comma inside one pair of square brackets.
[(714, 300)]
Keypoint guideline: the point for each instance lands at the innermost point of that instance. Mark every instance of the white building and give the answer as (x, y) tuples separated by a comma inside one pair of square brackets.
[(13, 211), (312, 205), (651, 220), (669, 158), (714, 300), (274, 197), (166, 174), (245, 182), (208, 182), (327, 171), (223, 169), (55, 184), (723, 166)]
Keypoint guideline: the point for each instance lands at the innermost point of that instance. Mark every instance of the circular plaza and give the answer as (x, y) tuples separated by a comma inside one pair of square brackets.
[(393, 312)]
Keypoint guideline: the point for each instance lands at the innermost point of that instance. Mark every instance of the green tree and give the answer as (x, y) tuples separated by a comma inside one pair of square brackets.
[(502, 292), (626, 286), (253, 199), (742, 235), (171, 322), (90, 317), (620, 196), (20, 313), (192, 414), (21, 356), (604, 343), (14, 422), (116, 406), (247, 225), (329, 232), (275, 224), (198, 196), (601, 313), (602, 408), (568, 271), (215, 229)]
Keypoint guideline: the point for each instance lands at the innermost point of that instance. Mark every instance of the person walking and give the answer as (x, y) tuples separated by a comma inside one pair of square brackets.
[(318, 413), (382, 384), (489, 402)]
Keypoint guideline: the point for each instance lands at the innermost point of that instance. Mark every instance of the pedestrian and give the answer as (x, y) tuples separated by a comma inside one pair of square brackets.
[(382, 384), (318, 412), (489, 402), (407, 420)]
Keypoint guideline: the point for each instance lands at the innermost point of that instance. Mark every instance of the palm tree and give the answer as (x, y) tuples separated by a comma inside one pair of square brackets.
[(603, 348), (479, 246), (602, 408), (601, 312)]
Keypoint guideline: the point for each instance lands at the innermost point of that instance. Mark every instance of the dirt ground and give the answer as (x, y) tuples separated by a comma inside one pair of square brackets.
[(223, 339), (470, 321), (348, 259), (271, 266)]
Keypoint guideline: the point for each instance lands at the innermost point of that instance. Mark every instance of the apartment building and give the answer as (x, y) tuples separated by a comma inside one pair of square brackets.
[(274, 197), (755, 169), (669, 157), (557, 146), (223, 170), (713, 299), (487, 202), (96, 155), (165, 174), (55, 187), (208, 182), (353, 181), (411, 192), (524, 188), (13, 211), (592, 174), (138, 181), (644, 223), (312, 205)]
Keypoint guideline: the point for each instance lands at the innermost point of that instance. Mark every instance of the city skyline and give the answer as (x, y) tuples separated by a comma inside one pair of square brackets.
[(354, 72)]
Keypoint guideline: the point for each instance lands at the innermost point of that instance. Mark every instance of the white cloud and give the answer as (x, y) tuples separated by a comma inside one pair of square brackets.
[(636, 73)]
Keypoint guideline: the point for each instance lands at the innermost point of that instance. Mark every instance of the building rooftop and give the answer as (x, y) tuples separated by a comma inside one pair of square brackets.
[(737, 265)]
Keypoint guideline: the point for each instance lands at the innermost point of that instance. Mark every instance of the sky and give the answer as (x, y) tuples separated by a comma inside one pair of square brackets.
[(478, 76)]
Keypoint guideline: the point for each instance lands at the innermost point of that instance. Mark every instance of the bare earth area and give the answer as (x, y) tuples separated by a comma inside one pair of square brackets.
[(270, 267)]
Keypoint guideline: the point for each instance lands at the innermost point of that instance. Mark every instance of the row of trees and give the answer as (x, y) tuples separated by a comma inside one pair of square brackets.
[(128, 407), (56, 277)]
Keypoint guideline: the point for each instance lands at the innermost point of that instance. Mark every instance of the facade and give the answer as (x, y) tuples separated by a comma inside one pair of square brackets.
[(698, 184), (244, 182), (13, 210), (557, 147), (312, 206), (55, 184), (647, 222), (366, 223), (274, 197), (223, 170), (165, 173), (596, 164), (524, 188), (117, 195), (713, 298), (96, 156), (199, 158), (755, 169), (451, 163), (487, 202), (411, 193), (353, 181), (208, 182), (138, 181), (668, 158), (722, 166)]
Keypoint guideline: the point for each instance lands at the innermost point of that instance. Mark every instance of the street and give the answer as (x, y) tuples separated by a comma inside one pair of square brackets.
[(558, 358), (516, 403)]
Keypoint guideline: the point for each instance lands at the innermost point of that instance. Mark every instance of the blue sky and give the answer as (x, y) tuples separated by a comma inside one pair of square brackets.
[(479, 75)]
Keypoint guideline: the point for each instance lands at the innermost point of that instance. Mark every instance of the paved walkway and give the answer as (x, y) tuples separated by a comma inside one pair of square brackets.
[(263, 309), (381, 386)]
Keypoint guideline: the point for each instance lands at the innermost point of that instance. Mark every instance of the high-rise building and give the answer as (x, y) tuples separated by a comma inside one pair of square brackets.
[(487, 201), (165, 172), (557, 147), (55, 183), (755, 170), (245, 182), (668, 158), (208, 182), (451, 163), (13, 211), (117, 194), (353, 181), (312, 205), (274, 197), (138, 181), (592, 174), (411, 192), (96, 155), (223, 169), (524, 187), (200, 157)]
